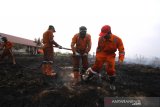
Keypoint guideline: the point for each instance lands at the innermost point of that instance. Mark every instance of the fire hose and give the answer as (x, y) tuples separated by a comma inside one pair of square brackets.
[(36, 68), (62, 48)]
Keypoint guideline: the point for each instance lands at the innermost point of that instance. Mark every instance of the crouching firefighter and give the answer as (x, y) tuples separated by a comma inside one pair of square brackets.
[(80, 45), (108, 44), (48, 50), (7, 50)]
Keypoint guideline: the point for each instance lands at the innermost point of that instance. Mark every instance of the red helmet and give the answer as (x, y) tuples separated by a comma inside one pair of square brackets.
[(105, 30)]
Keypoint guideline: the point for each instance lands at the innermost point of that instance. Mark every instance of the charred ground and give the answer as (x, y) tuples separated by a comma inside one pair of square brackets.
[(23, 85)]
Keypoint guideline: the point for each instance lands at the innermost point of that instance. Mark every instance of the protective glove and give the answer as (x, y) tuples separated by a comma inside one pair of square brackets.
[(85, 54), (60, 47), (77, 54)]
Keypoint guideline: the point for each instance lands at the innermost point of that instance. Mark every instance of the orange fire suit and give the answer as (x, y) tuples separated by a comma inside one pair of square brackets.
[(48, 45), (106, 54), (8, 51), (81, 46), (48, 52)]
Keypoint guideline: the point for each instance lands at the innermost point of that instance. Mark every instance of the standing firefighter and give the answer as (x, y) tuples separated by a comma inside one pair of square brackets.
[(7, 50), (49, 51), (81, 45), (108, 44)]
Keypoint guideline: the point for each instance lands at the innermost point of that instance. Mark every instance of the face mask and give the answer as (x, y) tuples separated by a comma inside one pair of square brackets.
[(82, 34), (107, 36)]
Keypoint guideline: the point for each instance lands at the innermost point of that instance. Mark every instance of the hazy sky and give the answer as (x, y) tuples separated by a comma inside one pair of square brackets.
[(137, 22)]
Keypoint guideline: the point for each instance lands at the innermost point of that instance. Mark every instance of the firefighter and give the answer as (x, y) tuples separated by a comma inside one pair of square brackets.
[(48, 50), (1, 39), (80, 45), (7, 50), (108, 44)]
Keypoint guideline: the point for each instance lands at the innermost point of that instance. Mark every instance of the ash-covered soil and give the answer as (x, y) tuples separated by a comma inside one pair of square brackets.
[(24, 85)]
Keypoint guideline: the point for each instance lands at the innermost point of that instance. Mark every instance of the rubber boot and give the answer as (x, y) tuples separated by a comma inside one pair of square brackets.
[(14, 62), (49, 70), (76, 78), (44, 66), (112, 82), (82, 75)]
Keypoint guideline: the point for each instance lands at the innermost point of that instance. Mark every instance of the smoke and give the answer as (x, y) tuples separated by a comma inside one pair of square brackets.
[(139, 59)]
